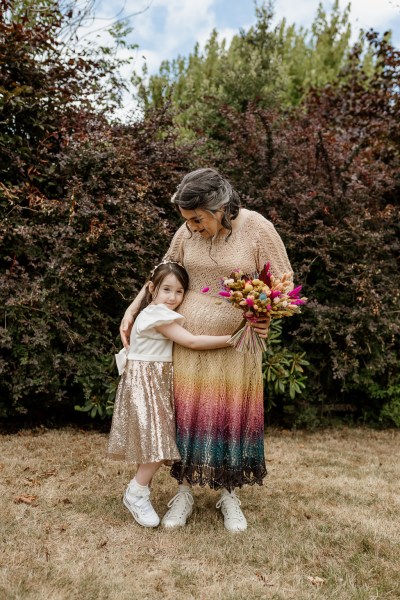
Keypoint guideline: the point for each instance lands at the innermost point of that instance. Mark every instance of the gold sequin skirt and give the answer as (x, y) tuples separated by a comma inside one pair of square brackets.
[(143, 424)]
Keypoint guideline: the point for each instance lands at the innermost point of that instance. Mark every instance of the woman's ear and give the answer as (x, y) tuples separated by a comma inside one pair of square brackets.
[(151, 287)]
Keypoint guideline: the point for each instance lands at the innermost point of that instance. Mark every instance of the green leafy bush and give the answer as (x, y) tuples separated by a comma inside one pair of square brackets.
[(283, 372)]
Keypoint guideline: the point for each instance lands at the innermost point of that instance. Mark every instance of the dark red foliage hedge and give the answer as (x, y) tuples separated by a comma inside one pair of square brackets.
[(85, 213), (72, 264), (328, 176), (82, 219)]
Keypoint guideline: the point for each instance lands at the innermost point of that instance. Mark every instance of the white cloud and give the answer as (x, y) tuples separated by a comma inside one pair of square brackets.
[(374, 13), (300, 12), (152, 58), (188, 23), (225, 33), (170, 24), (378, 14), (162, 28)]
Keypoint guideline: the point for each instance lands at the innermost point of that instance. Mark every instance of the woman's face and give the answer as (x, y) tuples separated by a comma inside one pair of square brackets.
[(202, 222)]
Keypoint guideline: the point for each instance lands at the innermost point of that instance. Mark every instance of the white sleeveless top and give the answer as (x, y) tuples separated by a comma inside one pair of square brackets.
[(146, 343)]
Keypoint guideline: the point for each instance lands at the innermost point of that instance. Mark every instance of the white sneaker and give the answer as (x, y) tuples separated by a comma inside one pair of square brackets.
[(141, 509), (234, 519), (180, 508)]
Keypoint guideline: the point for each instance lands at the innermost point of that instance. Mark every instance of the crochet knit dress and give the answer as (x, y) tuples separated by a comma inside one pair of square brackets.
[(219, 393)]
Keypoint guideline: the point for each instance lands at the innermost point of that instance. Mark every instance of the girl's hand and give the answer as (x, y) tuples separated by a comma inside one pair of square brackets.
[(261, 327), (125, 329)]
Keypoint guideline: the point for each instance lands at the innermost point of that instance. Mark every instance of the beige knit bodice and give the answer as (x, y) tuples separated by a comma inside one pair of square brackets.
[(207, 262)]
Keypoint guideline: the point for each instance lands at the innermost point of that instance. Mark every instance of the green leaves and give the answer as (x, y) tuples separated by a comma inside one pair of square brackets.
[(99, 388), (282, 369)]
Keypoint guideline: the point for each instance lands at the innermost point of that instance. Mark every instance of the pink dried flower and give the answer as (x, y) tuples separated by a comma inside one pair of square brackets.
[(204, 290), (274, 294), (251, 293), (294, 293)]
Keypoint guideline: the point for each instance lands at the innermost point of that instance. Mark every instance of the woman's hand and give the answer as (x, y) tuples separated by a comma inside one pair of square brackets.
[(125, 329), (262, 326)]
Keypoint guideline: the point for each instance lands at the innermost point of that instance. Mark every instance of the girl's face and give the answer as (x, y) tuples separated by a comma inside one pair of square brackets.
[(202, 222), (169, 293)]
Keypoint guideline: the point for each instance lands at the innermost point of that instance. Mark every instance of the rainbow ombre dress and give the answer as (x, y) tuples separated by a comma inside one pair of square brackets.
[(219, 393)]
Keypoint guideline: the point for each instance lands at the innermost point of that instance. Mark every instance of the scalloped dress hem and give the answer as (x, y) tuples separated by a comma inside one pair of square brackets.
[(220, 477)]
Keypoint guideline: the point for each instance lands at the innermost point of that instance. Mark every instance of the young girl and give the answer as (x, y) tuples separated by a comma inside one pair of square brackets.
[(143, 425)]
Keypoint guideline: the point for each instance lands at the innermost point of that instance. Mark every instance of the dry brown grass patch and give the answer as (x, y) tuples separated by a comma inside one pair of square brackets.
[(325, 525)]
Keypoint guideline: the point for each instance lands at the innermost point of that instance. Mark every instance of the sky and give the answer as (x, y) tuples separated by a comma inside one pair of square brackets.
[(164, 29)]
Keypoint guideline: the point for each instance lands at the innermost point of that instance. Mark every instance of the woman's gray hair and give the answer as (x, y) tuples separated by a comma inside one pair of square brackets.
[(206, 189)]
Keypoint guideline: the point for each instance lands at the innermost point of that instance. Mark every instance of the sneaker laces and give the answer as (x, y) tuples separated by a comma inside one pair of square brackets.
[(232, 504), (179, 502)]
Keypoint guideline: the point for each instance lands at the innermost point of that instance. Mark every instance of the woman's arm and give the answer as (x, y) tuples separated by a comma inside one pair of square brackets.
[(180, 336), (127, 320), (269, 248)]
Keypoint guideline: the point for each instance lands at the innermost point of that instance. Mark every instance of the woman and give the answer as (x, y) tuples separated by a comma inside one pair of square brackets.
[(218, 393)]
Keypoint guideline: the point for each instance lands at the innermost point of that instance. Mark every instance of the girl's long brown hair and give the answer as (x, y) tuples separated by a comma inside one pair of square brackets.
[(157, 277)]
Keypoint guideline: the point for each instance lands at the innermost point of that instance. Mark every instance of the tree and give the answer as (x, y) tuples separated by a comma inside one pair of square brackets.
[(81, 212), (270, 67), (327, 176)]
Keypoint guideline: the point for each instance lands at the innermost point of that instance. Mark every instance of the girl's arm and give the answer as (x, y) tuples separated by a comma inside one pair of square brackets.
[(180, 336)]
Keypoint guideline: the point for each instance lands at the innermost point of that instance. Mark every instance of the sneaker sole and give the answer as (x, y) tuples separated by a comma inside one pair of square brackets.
[(235, 530), (137, 519)]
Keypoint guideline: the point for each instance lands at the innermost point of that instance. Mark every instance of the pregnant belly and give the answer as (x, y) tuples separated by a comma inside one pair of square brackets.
[(206, 315)]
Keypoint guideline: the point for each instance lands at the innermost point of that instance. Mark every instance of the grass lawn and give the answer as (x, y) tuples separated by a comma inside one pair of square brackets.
[(326, 524)]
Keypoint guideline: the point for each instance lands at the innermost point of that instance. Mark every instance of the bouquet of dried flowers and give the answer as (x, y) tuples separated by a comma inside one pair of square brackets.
[(259, 296)]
